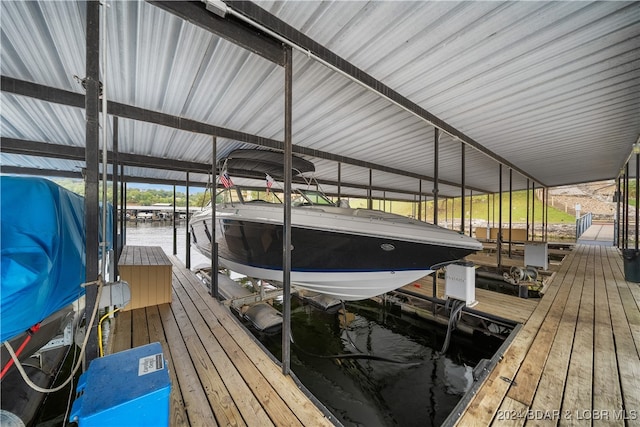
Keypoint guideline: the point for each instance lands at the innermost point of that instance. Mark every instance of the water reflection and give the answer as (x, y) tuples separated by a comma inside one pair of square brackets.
[(381, 369)]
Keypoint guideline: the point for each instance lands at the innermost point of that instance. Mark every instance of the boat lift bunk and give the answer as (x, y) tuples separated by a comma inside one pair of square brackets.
[(250, 305)]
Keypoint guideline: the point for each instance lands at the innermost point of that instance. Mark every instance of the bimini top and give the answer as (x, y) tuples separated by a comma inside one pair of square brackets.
[(264, 162)]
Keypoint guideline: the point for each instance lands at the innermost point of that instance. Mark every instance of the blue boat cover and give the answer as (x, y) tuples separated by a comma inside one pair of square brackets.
[(42, 242)]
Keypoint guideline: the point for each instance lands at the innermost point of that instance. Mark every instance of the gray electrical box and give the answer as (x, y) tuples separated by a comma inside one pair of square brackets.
[(536, 254)]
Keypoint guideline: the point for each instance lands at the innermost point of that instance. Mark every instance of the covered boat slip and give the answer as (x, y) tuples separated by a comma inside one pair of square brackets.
[(219, 374), (576, 359)]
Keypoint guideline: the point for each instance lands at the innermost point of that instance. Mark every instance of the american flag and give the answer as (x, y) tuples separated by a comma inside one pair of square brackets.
[(269, 182), (226, 180)]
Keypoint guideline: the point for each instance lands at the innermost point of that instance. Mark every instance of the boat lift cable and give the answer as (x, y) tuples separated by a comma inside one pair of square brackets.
[(352, 356), (20, 368), (454, 317)]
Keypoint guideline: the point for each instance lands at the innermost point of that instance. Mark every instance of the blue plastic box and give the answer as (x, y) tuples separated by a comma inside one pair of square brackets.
[(128, 388)]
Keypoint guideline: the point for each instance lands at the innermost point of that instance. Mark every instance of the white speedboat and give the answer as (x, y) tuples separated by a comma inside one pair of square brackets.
[(347, 253)]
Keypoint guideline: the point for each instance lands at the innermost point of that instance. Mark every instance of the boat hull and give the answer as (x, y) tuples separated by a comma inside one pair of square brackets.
[(348, 286), (348, 266)]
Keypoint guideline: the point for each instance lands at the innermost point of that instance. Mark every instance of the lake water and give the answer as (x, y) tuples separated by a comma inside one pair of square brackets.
[(158, 233), (393, 375), (417, 386)]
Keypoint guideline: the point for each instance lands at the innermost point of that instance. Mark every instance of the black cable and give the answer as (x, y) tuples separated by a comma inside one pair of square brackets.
[(454, 317)]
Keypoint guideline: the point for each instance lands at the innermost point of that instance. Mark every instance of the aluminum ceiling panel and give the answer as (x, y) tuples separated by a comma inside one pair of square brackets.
[(31, 119), (165, 64), (514, 76), (43, 42), (553, 87), (164, 142)]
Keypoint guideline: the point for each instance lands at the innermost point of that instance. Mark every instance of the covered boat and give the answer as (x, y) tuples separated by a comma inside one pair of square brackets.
[(347, 253), (42, 248)]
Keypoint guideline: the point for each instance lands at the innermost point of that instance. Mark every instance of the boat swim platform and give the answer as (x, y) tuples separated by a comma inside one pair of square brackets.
[(576, 359), (219, 373)]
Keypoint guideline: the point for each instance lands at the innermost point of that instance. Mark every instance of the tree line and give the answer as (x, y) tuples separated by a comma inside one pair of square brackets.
[(143, 197)]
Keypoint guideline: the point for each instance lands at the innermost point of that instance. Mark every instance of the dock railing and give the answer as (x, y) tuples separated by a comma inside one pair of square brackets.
[(582, 224)]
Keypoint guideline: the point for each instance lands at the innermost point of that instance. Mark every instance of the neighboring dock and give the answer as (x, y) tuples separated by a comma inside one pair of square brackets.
[(598, 234), (219, 374), (497, 304), (576, 359)]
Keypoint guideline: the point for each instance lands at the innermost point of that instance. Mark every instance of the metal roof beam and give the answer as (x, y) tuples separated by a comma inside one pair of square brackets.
[(18, 170), (57, 151), (41, 149), (368, 165), (60, 96), (251, 12), (233, 30)]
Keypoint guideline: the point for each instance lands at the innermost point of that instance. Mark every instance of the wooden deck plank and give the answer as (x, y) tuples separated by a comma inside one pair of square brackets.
[(177, 413), (626, 350), (630, 296), (590, 374), (607, 395), (276, 408), (196, 404), (216, 377), (579, 386), (305, 410), (531, 369), (511, 413), (252, 411), (140, 333), (121, 334), (224, 408), (482, 409), (553, 378)]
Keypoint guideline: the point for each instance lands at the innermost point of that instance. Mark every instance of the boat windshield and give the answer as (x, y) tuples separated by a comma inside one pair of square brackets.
[(309, 197), (299, 197)]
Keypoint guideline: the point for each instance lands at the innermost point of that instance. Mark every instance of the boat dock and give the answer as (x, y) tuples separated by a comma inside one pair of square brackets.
[(576, 359), (219, 374), (598, 234), (508, 307)]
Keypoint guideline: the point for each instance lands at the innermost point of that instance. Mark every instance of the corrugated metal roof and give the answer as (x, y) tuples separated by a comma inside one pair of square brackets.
[(553, 87)]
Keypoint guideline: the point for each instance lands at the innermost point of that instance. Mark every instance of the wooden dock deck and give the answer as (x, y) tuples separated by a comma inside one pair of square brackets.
[(497, 304), (598, 234), (219, 375), (576, 360)]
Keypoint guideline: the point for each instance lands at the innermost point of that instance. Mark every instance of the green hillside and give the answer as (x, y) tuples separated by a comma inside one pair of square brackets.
[(484, 206)]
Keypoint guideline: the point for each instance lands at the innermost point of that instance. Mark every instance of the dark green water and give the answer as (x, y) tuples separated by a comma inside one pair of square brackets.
[(416, 387)]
